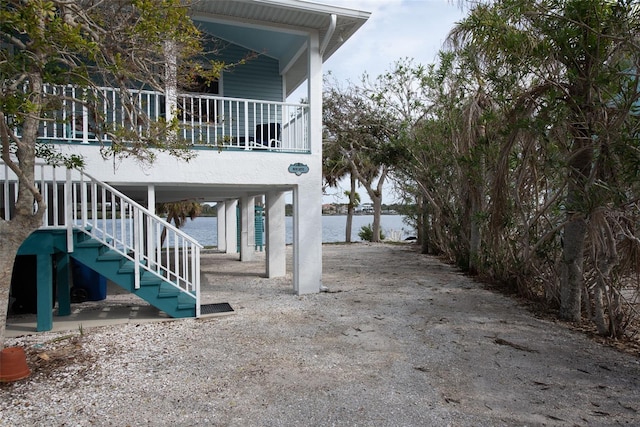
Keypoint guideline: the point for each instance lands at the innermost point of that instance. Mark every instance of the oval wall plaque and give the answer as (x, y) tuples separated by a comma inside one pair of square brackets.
[(298, 168)]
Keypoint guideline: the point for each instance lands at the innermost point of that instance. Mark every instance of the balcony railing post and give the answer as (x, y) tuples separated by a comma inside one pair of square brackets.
[(246, 125)]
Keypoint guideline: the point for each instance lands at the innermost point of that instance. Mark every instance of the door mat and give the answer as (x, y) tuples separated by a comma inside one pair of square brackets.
[(222, 307)]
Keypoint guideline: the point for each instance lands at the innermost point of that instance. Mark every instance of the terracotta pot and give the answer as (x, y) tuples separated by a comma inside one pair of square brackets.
[(13, 364)]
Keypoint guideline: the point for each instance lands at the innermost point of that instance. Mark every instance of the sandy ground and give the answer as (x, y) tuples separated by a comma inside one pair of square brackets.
[(400, 340)]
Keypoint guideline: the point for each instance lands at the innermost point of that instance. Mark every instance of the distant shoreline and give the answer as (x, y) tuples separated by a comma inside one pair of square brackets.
[(324, 214)]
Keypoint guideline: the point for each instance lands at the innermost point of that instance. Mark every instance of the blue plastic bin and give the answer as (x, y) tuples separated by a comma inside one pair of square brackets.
[(87, 279)]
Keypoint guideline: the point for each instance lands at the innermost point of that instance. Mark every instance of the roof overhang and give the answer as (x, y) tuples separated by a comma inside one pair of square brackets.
[(279, 28)]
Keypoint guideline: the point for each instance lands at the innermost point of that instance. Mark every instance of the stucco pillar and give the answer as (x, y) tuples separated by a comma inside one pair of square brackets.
[(221, 226), (231, 227), (276, 251), (151, 198), (247, 230), (307, 195)]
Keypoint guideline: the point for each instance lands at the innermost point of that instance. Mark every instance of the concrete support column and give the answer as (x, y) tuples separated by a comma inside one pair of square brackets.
[(222, 223), (307, 240), (231, 227), (276, 235), (151, 198), (248, 228), (307, 195)]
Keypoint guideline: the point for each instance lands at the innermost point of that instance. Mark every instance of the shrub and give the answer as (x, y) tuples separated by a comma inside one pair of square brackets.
[(366, 233)]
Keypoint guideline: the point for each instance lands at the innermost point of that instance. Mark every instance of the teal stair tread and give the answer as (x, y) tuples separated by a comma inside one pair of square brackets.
[(148, 279), (186, 301), (110, 255), (90, 243), (127, 266), (186, 297), (167, 290)]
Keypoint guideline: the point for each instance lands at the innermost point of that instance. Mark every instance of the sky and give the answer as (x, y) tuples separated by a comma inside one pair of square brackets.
[(396, 29)]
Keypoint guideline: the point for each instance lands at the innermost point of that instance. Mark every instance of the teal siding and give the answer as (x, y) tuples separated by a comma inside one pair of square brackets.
[(258, 78)]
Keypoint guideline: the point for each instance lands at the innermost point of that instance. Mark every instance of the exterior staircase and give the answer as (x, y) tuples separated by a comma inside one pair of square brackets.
[(154, 289), (113, 235)]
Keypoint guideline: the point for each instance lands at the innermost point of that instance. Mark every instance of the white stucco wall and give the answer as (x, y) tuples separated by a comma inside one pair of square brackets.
[(210, 166)]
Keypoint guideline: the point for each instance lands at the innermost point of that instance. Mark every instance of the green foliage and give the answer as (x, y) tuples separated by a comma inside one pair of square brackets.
[(179, 211), (528, 120), (356, 130), (120, 43), (366, 233), (356, 198), (53, 157)]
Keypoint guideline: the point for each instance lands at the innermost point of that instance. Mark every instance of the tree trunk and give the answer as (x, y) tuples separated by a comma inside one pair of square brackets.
[(377, 212), (25, 220), (475, 236), (575, 230), (350, 208), (376, 199), (571, 286), (171, 79), (423, 226), (598, 309), (604, 294), (12, 234)]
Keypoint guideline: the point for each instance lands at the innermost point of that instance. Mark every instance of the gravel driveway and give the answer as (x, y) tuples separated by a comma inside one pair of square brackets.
[(400, 340)]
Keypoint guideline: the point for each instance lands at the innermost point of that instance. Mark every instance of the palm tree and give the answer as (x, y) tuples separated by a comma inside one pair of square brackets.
[(354, 200), (566, 75), (178, 212)]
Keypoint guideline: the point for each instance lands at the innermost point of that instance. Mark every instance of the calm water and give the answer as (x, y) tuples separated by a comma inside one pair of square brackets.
[(333, 228)]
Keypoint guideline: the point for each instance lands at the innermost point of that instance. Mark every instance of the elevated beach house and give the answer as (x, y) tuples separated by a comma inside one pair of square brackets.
[(253, 147)]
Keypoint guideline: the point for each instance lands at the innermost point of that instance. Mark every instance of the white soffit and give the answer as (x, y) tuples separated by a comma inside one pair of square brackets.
[(278, 28)]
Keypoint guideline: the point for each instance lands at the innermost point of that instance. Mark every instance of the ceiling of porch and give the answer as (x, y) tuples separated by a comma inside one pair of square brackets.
[(201, 193), (278, 28)]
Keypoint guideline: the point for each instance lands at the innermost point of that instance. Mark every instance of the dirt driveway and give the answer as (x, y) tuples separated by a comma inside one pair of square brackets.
[(400, 340)]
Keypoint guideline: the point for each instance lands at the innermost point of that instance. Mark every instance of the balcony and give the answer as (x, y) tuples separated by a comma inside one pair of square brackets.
[(94, 115)]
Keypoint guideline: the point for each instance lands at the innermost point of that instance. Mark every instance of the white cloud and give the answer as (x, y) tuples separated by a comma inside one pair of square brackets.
[(396, 29)]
